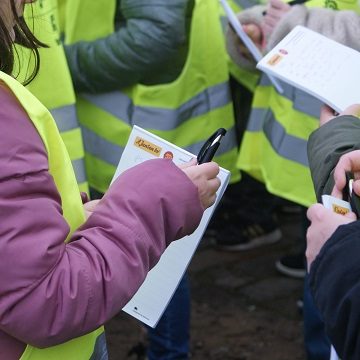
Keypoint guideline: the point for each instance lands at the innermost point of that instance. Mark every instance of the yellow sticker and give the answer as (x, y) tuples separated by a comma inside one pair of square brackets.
[(147, 146), (275, 59), (339, 209)]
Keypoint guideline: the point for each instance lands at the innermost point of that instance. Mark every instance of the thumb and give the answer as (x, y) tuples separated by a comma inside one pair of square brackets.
[(337, 192), (254, 32), (192, 162)]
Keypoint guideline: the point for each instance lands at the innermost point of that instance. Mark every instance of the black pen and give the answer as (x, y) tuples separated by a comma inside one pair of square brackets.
[(210, 146), (291, 3)]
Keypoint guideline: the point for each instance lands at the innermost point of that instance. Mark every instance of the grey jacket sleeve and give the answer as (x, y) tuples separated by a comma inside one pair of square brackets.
[(152, 33), (326, 145), (342, 26)]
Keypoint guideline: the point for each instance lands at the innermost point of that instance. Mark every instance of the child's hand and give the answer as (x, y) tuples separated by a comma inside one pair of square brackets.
[(89, 207), (204, 177)]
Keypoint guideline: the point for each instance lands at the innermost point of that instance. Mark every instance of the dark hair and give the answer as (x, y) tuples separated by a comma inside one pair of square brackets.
[(24, 37)]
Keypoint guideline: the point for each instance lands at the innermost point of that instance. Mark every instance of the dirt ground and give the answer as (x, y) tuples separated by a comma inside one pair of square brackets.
[(242, 308)]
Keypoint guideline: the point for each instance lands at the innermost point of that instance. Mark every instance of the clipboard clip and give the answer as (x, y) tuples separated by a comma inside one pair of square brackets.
[(210, 146)]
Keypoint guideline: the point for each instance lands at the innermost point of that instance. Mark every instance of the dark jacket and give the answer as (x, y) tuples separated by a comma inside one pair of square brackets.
[(335, 273), (149, 47)]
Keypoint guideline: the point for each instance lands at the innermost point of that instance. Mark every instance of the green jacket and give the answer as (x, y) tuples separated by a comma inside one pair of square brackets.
[(149, 47), (326, 145)]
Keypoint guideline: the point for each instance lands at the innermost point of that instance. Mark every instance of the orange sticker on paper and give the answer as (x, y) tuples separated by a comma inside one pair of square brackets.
[(147, 146), (275, 59), (340, 210)]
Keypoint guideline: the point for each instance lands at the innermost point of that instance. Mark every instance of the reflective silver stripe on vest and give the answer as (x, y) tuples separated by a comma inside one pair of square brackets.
[(256, 119), (122, 107), (111, 153), (79, 169), (101, 148), (301, 100), (287, 146), (265, 81), (65, 118)]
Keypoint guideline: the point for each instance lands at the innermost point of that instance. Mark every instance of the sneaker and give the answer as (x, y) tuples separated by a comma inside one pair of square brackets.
[(292, 265), (288, 208), (246, 237)]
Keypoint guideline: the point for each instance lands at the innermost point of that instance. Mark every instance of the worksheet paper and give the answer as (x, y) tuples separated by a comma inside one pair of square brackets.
[(317, 65), (254, 51), (152, 298)]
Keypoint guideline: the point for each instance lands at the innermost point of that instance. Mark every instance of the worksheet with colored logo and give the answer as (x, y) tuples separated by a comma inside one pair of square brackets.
[(152, 298), (319, 66)]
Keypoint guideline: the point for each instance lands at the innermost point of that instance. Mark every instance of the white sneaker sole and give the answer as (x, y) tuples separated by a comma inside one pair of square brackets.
[(294, 273)]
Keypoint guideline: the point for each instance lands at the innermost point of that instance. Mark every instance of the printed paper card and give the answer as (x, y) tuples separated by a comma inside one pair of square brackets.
[(338, 206), (317, 65)]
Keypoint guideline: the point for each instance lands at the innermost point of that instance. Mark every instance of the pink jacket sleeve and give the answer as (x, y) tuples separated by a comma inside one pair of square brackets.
[(51, 292)]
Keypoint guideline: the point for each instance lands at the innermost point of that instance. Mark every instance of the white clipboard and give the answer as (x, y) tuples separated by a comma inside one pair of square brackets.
[(153, 296)]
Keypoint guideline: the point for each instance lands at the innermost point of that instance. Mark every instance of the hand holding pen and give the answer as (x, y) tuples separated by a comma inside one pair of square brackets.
[(204, 177), (347, 180), (203, 172)]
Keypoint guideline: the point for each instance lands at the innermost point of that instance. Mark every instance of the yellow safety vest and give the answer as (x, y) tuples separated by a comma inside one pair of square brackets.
[(185, 111), (61, 170), (274, 146), (53, 85)]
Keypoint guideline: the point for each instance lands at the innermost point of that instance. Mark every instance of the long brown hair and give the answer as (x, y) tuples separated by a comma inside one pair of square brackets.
[(24, 37)]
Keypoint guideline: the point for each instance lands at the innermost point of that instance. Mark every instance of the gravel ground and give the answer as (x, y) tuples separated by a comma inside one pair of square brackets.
[(242, 309)]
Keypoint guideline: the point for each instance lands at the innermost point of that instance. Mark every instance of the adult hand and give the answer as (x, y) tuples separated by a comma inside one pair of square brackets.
[(327, 113), (324, 222), (349, 162), (275, 11), (204, 177), (89, 207)]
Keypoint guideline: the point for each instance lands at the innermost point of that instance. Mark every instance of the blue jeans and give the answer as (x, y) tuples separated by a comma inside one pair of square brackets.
[(317, 344), (170, 339)]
